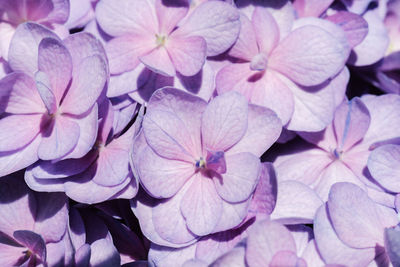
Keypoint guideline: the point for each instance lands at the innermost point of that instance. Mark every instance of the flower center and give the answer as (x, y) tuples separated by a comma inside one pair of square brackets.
[(337, 153), (259, 62), (201, 163), (160, 40)]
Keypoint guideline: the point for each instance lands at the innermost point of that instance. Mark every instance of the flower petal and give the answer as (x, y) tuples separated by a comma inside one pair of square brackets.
[(224, 122)]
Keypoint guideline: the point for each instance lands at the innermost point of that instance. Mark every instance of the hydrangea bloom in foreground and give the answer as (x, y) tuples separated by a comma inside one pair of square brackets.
[(50, 99), (102, 174), (202, 160)]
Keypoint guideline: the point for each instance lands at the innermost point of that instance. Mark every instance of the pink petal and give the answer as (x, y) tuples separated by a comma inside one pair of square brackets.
[(44, 88), (309, 55), (273, 93), (266, 29), (132, 16), (19, 95), (56, 62), (169, 14), (224, 122), (296, 203), (241, 178), (86, 87), (188, 54), (159, 61), (351, 122), (124, 52), (23, 53), (237, 77), (103, 252), (59, 139), (265, 239), (217, 22), (332, 249), (354, 216), (19, 130), (201, 206), (383, 164), (246, 45), (172, 124)]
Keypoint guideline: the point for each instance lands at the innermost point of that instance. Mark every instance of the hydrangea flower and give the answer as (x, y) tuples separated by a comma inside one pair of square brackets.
[(157, 34), (210, 155), (102, 174), (340, 153), (50, 100), (287, 67)]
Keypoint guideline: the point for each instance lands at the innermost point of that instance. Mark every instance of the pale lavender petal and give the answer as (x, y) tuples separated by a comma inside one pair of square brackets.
[(51, 216), (351, 122), (296, 203), (23, 53), (354, 26), (18, 131), (309, 55), (159, 61), (217, 22), (127, 17), (86, 86), (188, 54), (56, 62), (374, 46), (332, 249), (245, 46), (15, 89), (201, 206), (59, 138), (263, 129), (240, 180), (265, 239), (224, 122), (267, 36), (44, 88), (172, 124), (392, 242), (384, 166), (354, 216)]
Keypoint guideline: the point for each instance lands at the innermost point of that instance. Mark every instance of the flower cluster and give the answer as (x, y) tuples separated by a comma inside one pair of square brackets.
[(199, 133)]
